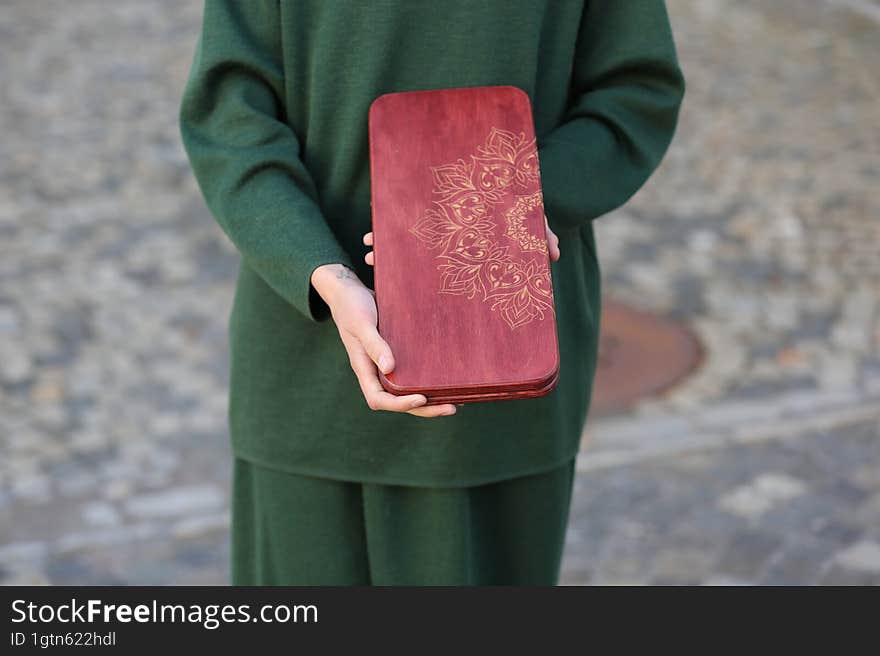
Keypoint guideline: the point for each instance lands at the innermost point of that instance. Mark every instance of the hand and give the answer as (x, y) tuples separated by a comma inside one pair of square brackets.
[(353, 307), (552, 244)]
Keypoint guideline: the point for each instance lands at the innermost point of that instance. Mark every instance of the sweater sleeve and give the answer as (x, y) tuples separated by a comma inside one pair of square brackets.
[(626, 90), (246, 158)]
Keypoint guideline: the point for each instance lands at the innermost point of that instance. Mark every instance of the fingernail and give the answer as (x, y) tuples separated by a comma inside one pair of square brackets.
[(384, 363), (418, 402)]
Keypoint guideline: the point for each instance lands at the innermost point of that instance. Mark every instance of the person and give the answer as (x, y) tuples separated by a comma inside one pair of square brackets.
[(335, 481)]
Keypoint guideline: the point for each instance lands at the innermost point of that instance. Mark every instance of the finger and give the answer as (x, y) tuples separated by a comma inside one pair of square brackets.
[(376, 347), (553, 245), (378, 399), (552, 241), (369, 258), (374, 394), (392, 403), (368, 239), (443, 410)]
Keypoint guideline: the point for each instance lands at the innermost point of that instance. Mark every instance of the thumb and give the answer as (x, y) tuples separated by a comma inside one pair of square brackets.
[(376, 347)]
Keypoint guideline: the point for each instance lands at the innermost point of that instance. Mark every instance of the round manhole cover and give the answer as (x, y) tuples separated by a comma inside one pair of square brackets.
[(640, 354)]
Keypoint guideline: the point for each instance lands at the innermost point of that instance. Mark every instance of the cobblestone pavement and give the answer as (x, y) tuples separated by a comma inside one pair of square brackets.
[(760, 230)]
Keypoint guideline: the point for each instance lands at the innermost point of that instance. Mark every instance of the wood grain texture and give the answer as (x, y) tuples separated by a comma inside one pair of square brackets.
[(462, 272)]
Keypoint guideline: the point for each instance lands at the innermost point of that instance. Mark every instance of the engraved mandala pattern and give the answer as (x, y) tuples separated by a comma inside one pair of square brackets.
[(463, 225)]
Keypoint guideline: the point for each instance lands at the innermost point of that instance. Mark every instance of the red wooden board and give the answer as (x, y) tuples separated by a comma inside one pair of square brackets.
[(462, 273)]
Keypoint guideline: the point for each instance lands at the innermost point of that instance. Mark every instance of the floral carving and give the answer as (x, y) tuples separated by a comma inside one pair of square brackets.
[(463, 222)]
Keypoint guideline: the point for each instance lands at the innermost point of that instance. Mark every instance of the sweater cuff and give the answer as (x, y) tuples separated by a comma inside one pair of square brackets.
[(563, 186)]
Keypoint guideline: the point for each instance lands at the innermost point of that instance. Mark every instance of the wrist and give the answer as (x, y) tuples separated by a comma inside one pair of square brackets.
[(329, 280)]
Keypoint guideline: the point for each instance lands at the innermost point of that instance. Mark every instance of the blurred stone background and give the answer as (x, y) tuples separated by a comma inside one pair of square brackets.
[(760, 231)]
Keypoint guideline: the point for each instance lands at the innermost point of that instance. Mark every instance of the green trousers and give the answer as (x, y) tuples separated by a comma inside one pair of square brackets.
[(290, 529)]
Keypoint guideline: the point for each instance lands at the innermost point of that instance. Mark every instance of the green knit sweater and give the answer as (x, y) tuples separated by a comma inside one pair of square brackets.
[(274, 122)]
